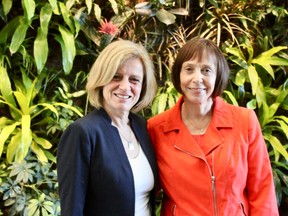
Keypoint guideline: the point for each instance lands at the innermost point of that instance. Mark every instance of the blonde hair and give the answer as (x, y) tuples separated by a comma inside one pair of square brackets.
[(106, 66)]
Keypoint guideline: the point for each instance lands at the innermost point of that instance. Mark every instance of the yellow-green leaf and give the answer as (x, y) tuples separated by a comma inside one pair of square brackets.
[(13, 147), (5, 133), (39, 152), (276, 144), (23, 102), (5, 86), (97, 12), (29, 6), (165, 17), (7, 5), (40, 50), (26, 134), (89, 5), (253, 76), (18, 36), (43, 142)]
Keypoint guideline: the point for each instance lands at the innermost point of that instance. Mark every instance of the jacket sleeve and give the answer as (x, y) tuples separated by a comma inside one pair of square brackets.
[(260, 185), (73, 169)]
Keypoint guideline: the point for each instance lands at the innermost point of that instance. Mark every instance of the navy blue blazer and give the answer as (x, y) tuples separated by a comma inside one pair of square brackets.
[(94, 174)]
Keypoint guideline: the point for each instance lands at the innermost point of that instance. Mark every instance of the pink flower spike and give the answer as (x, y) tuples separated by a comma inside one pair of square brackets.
[(108, 28)]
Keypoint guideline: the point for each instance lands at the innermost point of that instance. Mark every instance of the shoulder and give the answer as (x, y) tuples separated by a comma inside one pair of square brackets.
[(228, 114), (225, 108), (89, 124)]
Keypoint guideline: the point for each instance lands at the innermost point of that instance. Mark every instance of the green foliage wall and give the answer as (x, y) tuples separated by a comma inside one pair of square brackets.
[(46, 51)]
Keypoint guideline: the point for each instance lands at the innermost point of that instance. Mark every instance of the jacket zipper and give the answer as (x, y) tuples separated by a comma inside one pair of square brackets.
[(211, 171)]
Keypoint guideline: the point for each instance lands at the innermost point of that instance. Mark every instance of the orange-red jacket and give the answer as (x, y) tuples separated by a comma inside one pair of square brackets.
[(228, 173)]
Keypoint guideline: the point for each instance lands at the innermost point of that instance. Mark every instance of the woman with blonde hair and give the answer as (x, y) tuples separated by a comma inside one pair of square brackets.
[(105, 160)]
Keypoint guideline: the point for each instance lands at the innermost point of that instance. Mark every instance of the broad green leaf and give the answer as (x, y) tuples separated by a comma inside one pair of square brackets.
[(5, 134), (45, 17), (54, 5), (273, 109), (23, 102), (253, 77), (33, 209), (273, 60), (282, 95), (276, 144), (38, 152), (13, 147), (40, 110), (250, 52), (50, 156), (44, 212), (69, 107), (68, 49), (260, 93), (7, 5), (42, 142), (89, 5), (4, 121), (67, 17), (179, 11), (231, 97), (154, 108), (268, 54), (97, 12), (284, 118), (70, 4), (264, 64), (171, 101), (240, 77), (251, 104), (18, 36), (29, 7), (264, 117), (8, 30), (23, 171), (26, 134), (236, 52), (40, 50), (165, 17), (162, 103), (49, 206), (5, 86), (114, 6), (284, 126), (15, 112)]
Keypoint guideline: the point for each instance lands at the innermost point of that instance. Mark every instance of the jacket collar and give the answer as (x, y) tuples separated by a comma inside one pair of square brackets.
[(221, 115)]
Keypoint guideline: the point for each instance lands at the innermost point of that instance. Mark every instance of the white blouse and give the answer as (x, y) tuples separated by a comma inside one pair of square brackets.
[(144, 183)]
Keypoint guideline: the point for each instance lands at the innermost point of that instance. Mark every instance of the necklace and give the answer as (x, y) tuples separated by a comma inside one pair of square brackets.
[(194, 126), (131, 145)]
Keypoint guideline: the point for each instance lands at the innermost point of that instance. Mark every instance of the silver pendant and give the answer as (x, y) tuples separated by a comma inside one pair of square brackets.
[(131, 146)]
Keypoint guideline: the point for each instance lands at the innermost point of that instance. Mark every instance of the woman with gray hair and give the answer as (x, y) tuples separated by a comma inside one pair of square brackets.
[(105, 160)]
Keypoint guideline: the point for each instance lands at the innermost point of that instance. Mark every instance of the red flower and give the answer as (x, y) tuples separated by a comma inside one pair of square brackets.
[(108, 28)]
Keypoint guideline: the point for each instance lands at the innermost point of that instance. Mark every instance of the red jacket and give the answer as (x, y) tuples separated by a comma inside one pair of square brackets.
[(232, 150)]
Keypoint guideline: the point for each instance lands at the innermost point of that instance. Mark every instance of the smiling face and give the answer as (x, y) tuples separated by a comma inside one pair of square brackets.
[(197, 78), (124, 90)]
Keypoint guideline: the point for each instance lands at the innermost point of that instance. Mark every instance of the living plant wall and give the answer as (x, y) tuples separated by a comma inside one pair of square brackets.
[(47, 48)]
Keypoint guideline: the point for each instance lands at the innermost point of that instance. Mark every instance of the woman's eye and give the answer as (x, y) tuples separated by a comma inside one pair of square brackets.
[(188, 69), (116, 77), (135, 80), (206, 70)]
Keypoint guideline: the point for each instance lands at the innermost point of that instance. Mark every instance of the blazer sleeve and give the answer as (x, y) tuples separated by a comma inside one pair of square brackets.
[(261, 191), (73, 160)]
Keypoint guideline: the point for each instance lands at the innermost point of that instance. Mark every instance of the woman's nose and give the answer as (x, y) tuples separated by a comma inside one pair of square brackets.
[(197, 76), (124, 84)]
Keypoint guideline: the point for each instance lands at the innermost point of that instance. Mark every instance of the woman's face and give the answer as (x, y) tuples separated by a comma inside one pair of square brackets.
[(197, 78), (124, 90)]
